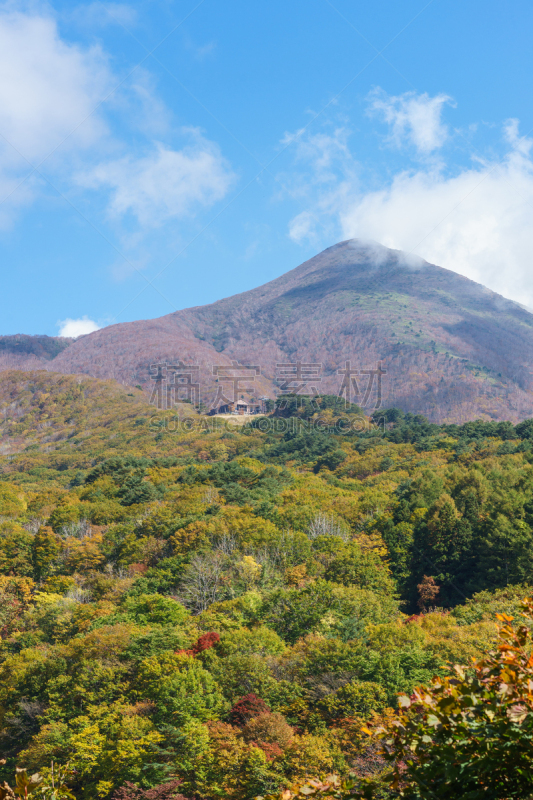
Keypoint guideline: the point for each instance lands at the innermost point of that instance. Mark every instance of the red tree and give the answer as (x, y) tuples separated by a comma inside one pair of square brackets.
[(205, 641), (246, 708)]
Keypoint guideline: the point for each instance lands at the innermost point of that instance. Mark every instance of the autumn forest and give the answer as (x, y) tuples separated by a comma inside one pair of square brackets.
[(191, 608)]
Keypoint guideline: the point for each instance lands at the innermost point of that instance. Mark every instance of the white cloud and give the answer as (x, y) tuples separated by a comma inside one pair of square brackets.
[(474, 219), (73, 328), (477, 222), (165, 184), (413, 118), (330, 173), (48, 89), (52, 109), (201, 53), (324, 153), (147, 111), (102, 14), (303, 226)]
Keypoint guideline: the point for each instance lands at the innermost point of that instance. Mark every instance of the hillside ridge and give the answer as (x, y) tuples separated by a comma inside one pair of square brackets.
[(451, 348)]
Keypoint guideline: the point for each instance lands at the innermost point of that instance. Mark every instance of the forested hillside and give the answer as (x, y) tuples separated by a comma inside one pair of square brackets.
[(452, 349), (30, 352), (189, 607)]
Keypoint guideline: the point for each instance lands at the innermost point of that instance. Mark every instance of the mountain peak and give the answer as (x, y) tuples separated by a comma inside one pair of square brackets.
[(452, 349)]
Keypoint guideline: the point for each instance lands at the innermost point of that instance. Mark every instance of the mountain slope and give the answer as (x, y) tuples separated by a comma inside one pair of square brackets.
[(30, 352), (452, 349)]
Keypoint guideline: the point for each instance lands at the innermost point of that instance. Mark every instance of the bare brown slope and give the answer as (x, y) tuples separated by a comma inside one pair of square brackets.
[(453, 350)]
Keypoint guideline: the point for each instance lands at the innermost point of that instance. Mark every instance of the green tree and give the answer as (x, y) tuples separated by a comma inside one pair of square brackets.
[(468, 735), (180, 688), (45, 549), (357, 698), (15, 550)]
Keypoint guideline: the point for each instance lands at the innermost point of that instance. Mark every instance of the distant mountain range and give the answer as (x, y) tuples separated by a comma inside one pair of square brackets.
[(451, 348)]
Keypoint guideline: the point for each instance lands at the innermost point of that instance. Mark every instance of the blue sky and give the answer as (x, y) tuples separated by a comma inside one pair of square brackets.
[(158, 155)]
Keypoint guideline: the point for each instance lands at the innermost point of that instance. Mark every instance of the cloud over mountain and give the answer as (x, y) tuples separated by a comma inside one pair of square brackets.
[(472, 216), (476, 222)]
